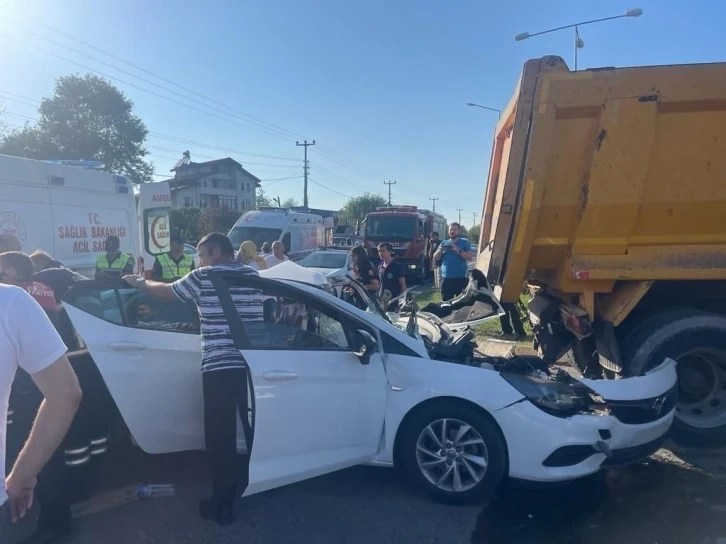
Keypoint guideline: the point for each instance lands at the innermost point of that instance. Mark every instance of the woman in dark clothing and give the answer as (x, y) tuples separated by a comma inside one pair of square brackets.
[(364, 271)]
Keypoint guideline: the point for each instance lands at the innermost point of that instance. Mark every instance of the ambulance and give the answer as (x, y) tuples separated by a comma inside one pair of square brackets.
[(69, 209), (301, 233)]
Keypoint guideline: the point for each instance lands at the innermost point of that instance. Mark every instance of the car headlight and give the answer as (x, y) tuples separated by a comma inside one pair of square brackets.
[(559, 399)]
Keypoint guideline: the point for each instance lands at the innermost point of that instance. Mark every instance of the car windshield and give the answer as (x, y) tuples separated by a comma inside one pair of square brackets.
[(323, 259), (391, 228), (259, 235)]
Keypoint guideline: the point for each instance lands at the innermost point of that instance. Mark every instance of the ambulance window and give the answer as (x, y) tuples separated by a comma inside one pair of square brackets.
[(286, 242)]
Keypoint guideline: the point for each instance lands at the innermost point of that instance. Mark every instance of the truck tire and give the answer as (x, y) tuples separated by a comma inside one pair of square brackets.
[(582, 356), (696, 340)]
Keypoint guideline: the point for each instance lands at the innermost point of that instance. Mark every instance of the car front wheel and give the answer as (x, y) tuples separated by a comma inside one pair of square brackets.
[(454, 453)]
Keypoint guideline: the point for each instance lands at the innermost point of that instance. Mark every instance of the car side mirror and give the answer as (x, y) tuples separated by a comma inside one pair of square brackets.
[(365, 346)]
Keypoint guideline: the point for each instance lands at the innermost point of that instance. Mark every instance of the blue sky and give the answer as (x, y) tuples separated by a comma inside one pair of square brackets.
[(381, 85)]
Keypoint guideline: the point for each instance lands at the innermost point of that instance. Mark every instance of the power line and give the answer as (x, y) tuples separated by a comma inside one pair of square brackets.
[(459, 210), (137, 67), (263, 129), (329, 189), (433, 199), (146, 90), (285, 132)]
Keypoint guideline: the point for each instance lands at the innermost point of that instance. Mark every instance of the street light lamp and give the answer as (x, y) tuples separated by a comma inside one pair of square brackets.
[(579, 44), (499, 112)]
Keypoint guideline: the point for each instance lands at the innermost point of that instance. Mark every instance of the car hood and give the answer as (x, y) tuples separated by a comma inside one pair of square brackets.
[(328, 271)]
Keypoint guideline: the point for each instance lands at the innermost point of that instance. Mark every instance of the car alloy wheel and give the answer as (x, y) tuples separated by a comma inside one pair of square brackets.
[(452, 455)]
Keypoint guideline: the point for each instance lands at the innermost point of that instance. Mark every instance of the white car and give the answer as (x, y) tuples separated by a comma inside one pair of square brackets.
[(333, 263), (348, 387)]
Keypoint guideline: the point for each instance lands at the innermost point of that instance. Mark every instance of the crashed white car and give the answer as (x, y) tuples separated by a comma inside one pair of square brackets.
[(345, 386)]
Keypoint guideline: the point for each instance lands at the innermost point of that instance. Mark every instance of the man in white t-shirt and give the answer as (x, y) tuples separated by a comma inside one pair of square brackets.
[(278, 255), (29, 341)]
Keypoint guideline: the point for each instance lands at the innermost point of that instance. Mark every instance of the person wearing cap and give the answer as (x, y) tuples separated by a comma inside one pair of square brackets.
[(114, 263), (175, 263)]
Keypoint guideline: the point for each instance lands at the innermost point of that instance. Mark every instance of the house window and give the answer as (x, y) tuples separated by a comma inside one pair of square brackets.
[(248, 186), (229, 202), (188, 202), (203, 202), (245, 204)]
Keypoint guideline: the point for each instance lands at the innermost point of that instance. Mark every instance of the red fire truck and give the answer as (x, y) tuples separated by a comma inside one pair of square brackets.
[(407, 229)]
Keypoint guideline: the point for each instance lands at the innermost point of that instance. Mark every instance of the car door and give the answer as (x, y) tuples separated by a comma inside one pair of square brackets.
[(318, 407), (151, 368)]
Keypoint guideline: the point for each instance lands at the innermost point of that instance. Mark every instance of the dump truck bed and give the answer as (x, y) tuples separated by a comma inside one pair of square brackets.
[(604, 175)]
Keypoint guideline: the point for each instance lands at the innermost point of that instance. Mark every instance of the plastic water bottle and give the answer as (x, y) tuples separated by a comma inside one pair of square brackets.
[(148, 491)]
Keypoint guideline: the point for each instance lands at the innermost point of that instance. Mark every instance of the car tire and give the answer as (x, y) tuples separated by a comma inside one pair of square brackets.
[(478, 482), (696, 340)]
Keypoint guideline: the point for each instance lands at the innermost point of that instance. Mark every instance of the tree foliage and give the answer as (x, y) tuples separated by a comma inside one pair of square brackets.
[(86, 118), (360, 206), (262, 200), (185, 222), (474, 233), (217, 220), (290, 203)]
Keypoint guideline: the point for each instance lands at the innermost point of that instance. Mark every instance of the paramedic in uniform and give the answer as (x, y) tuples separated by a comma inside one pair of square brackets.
[(114, 263), (175, 263)]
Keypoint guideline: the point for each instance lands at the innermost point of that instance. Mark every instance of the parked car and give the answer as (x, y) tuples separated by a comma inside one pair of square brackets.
[(333, 263), (350, 387)]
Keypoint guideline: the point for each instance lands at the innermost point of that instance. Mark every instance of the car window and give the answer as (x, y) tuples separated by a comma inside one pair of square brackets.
[(294, 324), (129, 307)]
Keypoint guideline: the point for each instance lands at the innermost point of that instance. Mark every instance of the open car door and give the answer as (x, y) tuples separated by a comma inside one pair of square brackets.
[(317, 406), (148, 354)]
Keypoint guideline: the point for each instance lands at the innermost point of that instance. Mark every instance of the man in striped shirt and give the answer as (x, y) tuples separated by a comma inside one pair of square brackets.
[(224, 370)]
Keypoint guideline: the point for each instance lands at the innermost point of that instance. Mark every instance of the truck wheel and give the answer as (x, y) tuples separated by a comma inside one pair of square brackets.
[(696, 340), (582, 356)]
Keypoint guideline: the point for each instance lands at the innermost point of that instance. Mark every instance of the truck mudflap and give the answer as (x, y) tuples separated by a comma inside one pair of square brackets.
[(655, 383)]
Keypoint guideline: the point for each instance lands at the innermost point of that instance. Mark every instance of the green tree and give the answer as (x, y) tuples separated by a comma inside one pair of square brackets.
[(290, 203), (360, 206), (185, 221), (86, 118), (262, 200), (474, 233), (217, 220)]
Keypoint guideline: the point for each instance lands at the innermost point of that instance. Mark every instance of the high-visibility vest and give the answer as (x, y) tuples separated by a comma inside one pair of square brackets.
[(170, 269), (118, 265)]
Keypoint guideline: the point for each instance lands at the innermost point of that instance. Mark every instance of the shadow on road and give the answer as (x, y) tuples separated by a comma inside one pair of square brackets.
[(661, 501)]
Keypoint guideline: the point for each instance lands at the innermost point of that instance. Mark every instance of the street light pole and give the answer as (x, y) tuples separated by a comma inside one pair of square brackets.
[(499, 112), (579, 44)]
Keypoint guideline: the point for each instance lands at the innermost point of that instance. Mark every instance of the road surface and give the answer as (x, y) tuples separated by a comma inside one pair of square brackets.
[(663, 501)]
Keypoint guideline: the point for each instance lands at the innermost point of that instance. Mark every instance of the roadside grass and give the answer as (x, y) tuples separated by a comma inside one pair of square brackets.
[(490, 328)]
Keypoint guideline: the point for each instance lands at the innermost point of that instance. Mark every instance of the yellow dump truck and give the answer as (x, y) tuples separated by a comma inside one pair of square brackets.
[(607, 197)]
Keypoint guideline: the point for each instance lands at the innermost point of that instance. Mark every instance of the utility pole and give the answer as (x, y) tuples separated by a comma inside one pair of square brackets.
[(474, 214), (305, 169), (433, 199), (389, 183), (459, 210)]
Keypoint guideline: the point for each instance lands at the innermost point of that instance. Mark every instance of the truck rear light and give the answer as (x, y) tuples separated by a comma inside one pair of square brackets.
[(577, 323)]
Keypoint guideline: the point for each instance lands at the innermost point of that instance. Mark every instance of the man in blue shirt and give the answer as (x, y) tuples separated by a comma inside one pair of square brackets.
[(455, 254)]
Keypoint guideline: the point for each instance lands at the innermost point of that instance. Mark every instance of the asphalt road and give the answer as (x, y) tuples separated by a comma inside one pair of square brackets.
[(663, 501)]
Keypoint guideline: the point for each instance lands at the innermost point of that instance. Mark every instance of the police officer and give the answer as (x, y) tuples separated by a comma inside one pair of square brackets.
[(114, 263), (175, 263)]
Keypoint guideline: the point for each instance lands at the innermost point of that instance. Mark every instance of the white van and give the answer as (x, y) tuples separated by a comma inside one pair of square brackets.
[(69, 212), (300, 233)]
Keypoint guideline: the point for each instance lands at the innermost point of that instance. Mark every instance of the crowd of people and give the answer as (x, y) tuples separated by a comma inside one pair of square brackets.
[(36, 339)]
